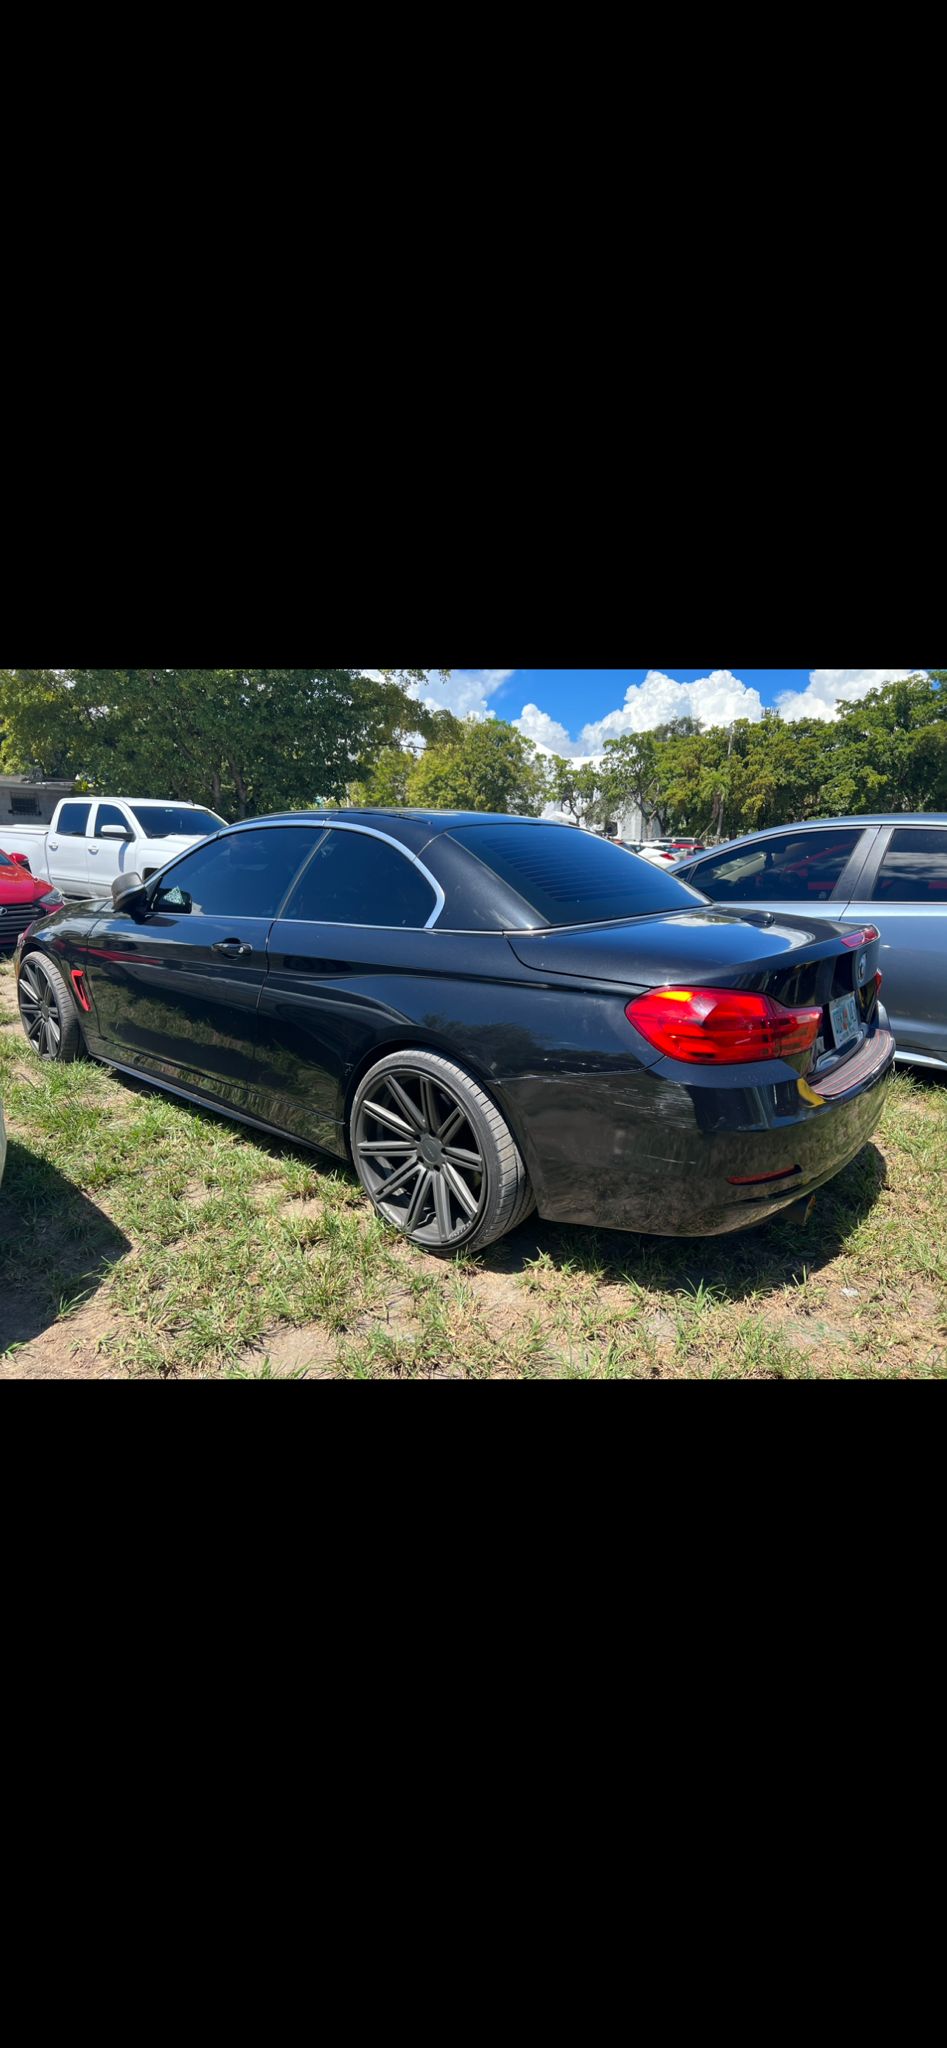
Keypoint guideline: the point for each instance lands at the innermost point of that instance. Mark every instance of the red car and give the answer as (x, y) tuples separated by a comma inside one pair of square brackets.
[(23, 898)]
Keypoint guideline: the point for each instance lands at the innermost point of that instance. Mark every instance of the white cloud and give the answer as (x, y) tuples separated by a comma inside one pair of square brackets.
[(827, 687), (547, 735), (465, 691), (714, 699)]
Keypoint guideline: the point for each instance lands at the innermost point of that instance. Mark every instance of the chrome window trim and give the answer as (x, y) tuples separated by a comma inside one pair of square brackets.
[(368, 832), (324, 825)]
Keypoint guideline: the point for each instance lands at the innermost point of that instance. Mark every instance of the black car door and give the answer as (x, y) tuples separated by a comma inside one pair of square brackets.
[(335, 952), (175, 989)]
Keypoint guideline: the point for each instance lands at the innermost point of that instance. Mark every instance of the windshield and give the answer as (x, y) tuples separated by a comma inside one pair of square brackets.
[(175, 821), (571, 877)]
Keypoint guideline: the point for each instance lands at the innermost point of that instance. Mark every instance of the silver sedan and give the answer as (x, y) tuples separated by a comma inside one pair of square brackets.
[(887, 869)]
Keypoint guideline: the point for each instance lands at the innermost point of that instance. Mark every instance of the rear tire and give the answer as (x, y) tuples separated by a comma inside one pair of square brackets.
[(47, 1011), (434, 1154)]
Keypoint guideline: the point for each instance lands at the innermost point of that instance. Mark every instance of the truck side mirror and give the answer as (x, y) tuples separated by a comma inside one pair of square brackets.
[(129, 894), (116, 832)]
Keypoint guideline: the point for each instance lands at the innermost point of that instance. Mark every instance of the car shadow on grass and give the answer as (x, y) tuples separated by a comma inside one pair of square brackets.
[(736, 1266), (56, 1247)]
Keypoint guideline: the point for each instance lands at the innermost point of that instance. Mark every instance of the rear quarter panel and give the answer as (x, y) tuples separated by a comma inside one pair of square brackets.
[(338, 997)]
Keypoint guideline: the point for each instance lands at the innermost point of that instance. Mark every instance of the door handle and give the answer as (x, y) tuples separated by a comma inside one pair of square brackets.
[(234, 948), (92, 849)]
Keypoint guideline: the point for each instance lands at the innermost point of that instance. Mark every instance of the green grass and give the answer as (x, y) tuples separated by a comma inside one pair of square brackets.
[(143, 1238)]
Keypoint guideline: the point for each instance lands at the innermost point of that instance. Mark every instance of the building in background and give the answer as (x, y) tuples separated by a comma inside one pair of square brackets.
[(632, 825), (24, 802)]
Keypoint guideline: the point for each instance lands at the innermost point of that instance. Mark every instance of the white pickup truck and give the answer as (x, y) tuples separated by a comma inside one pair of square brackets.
[(94, 838)]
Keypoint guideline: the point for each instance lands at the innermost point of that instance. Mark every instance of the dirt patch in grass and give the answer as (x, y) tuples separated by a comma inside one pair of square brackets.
[(284, 1353), (72, 1348)]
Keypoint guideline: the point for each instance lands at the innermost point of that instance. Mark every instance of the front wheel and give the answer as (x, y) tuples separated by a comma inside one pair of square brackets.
[(435, 1155), (47, 1011)]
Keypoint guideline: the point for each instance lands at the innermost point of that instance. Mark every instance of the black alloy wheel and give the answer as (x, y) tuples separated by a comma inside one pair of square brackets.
[(435, 1155), (47, 1011)]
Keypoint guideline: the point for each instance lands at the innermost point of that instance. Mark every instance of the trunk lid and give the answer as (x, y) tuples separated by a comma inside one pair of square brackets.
[(801, 962)]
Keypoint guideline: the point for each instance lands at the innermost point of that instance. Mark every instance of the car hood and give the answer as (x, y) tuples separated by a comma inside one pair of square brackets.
[(22, 888), (695, 946), (163, 850)]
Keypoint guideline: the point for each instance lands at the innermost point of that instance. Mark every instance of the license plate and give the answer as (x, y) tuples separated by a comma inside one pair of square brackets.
[(844, 1016)]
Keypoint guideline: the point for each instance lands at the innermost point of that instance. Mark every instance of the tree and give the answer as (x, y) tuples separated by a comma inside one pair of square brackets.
[(630, 774), (241, 740), (37, 723), (386, 782), (576, 789), (491, 767), (890, 750)]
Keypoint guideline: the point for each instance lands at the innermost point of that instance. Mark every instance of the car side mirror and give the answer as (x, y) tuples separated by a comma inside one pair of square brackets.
[(130, 894), (22, 861), (116, 832)]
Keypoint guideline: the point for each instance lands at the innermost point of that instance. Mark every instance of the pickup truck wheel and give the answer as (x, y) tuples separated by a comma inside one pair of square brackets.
[(49, 1015)]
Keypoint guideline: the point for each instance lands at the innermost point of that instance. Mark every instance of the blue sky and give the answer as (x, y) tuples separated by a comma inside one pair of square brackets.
[(575, 695), (573, 711)]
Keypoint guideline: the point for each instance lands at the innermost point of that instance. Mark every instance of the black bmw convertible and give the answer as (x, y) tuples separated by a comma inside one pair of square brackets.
[(484, 1014)]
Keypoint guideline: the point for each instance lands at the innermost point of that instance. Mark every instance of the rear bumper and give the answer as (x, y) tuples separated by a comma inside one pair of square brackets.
[(645, 1152)]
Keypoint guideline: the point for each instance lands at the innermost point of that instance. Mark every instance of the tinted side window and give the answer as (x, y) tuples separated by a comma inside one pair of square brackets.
[(73, 819), (354, 879), (914, 869), (109, 814), (800, 866), (246, 875)]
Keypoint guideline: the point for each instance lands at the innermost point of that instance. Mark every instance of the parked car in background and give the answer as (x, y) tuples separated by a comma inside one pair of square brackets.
[(886, 869), (94, 838), (484, 1014), (23, 898), (662, 851)]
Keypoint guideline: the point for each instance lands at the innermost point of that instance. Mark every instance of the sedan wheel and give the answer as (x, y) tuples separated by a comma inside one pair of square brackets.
[(47, 1010), (435, 1155)]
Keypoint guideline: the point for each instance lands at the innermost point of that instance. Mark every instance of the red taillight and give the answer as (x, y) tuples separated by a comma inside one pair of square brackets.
[(863, 937), (721, 1026)]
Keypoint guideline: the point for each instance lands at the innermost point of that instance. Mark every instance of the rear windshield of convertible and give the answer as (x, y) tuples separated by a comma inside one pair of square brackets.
[(570, 877)]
